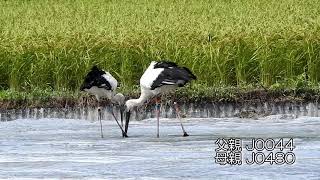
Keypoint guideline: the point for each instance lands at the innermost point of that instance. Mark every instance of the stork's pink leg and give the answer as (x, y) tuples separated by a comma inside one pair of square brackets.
[(176, 106), (100, 119), (158, 116)]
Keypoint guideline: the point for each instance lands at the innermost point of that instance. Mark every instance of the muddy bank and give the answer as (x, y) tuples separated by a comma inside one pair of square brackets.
[(192, 110), (234, 97), (250, 105)]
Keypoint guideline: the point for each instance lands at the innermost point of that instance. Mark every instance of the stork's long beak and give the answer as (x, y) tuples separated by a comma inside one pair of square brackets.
[(124, 134), (121, 115), (128, 113)]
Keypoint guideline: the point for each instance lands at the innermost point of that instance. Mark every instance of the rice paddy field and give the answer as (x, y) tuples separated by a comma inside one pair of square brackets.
[(50, 45)]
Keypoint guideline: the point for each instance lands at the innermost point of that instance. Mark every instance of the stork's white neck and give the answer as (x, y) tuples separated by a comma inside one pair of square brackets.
[(130, 104)]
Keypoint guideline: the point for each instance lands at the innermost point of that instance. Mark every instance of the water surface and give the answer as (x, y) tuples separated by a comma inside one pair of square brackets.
[(70, 148)]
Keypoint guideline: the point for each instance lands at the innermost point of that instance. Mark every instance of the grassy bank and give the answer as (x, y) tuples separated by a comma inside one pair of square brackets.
[(52, 44), (195, 94)]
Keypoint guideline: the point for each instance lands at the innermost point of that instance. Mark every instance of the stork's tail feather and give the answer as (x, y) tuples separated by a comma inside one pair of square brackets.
[(192, 76)]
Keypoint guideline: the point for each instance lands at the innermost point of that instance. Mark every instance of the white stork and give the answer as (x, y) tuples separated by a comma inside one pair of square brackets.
[(102, 84), (159, 78)]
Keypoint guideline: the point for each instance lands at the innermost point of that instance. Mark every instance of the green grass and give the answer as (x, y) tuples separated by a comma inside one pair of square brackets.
[(50, 45)]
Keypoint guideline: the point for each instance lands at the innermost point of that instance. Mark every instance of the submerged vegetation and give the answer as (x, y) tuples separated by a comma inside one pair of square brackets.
[(48, 46)]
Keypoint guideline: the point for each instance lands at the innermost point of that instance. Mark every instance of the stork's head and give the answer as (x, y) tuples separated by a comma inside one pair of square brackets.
[(119, 99), (130, 104)]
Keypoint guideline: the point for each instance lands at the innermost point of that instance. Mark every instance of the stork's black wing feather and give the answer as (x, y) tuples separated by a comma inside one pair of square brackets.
[(165, 64), (173, 76), (101, 82), (95, 78), (190, 73)]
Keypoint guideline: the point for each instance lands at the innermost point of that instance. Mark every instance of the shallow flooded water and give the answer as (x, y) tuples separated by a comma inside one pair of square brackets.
[(70, 148)]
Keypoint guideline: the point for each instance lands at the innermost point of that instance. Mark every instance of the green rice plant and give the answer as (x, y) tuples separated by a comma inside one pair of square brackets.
[(51, 45)]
